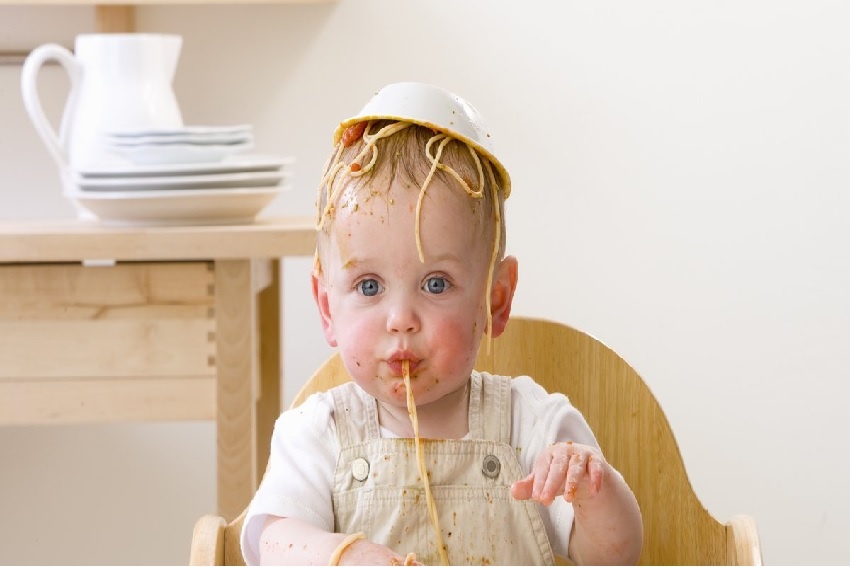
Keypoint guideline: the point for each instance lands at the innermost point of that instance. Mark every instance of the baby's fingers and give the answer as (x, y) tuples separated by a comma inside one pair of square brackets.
[(522, 489), (595, 474), (587, 469), (560, 467), (574, 476)]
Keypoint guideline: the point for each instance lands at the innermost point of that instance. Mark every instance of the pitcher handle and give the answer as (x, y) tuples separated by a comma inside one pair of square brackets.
[(56, 145)]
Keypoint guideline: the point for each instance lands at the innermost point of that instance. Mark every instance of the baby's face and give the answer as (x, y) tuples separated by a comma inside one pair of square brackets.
[(387, 306)]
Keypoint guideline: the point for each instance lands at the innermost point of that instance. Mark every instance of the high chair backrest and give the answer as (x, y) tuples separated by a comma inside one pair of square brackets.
[(629, 425)]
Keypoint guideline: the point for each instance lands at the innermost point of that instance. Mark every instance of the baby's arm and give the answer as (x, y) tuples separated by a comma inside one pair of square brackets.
[(607, 527), (288, 541)]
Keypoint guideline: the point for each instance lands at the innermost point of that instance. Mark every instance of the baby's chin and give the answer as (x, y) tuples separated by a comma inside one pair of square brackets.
[(396, 394), (387, 390)]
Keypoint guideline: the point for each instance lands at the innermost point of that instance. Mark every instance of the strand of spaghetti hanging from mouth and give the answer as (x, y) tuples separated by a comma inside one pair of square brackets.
[(432, 508)]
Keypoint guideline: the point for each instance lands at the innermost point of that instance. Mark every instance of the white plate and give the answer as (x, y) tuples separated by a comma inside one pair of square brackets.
[(178, 153), (193, 139), (231, 164), (158, 208), (181, 182), (185, 131)]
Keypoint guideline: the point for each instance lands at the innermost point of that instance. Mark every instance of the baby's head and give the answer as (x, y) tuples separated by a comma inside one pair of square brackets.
[(407, 207)]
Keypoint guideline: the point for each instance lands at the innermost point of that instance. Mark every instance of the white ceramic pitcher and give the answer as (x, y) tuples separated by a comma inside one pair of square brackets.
[(118, 82)]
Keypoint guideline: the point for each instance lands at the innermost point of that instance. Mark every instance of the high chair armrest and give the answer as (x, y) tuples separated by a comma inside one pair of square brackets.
[(208, 541), (743, 547)]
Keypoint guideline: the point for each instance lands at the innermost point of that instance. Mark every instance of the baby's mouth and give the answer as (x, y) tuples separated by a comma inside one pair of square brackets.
[(397, 366)]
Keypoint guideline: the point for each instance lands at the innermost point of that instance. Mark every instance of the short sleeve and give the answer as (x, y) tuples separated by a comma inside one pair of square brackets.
[(298, 481), (540, 419)]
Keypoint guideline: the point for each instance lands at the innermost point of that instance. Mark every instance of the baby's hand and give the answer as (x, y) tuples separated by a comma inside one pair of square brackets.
[(570, 469)]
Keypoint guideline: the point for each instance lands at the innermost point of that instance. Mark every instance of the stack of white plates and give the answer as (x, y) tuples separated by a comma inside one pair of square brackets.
[(226, 191), (190, 144)]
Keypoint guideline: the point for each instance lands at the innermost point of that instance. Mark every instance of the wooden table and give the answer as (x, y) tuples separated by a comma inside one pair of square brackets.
[(103, 324)]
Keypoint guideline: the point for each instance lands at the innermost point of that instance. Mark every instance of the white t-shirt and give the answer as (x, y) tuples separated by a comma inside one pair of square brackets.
[(300, 479)]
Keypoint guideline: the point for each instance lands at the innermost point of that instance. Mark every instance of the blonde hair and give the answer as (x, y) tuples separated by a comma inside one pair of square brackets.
[(386, 149)]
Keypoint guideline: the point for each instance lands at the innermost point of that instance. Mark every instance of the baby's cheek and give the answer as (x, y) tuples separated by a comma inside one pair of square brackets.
[(458, 342), (355, 348)]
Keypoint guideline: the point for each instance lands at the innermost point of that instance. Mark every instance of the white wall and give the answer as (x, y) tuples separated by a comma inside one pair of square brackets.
[(681, 182)]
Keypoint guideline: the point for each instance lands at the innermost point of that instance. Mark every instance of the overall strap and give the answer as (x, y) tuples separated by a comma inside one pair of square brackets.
[(496, 408), (474, 412), (355, 415)]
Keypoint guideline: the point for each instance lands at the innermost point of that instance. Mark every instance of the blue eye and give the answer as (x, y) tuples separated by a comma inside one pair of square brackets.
[(436, 285), (369, 287)]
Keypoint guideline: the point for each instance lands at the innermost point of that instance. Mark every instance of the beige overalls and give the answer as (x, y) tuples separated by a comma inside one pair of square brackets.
[(378, 489)]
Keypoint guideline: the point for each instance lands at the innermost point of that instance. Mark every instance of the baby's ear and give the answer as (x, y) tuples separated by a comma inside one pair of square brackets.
[(502, 294), (320, 295)]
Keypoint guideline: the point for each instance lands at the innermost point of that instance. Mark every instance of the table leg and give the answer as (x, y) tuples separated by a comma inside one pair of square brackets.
[(237, 383), (270, 313)]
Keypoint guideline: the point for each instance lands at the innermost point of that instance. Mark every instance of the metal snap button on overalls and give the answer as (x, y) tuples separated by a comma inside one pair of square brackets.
[(491, 466), (360, 469)]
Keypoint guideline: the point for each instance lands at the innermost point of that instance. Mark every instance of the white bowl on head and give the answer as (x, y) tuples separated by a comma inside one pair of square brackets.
[(433, 107)]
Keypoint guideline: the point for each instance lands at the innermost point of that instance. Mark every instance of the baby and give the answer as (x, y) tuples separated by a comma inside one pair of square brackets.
[(410, 276)]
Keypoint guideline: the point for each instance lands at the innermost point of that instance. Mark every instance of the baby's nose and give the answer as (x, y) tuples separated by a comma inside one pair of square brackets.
[(403, 319)]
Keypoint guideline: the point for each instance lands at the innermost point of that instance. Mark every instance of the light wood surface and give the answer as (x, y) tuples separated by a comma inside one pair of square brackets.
[(271, 365), (82, 400), (106, 322), (182, 323), (158, 2), (211, 529), (115, 18), (238, 385), (629, 425), (743, 547), (74, 240)]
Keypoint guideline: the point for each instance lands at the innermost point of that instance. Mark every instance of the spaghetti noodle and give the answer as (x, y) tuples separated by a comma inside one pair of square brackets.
[(347, 541), (432, 508)]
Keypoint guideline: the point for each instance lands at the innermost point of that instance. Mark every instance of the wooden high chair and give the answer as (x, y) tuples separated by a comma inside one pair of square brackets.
[(630, 427)]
